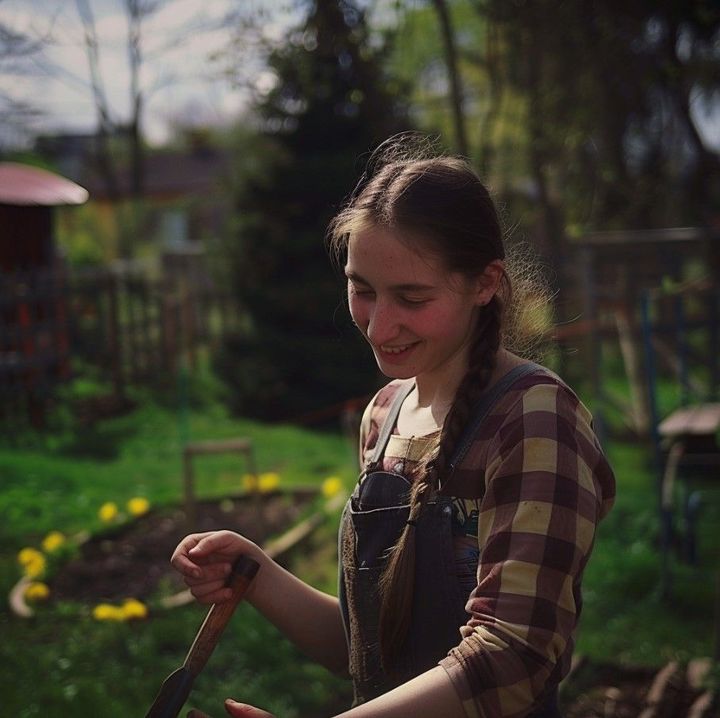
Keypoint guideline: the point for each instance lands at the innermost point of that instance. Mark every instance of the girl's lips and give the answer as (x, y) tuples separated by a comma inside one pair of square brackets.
[(395, 354)]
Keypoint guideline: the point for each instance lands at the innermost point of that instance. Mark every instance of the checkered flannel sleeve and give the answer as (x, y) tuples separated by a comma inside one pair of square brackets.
[(547, 485)]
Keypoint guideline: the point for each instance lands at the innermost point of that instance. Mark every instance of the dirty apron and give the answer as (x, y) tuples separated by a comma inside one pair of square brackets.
[(371, 524)]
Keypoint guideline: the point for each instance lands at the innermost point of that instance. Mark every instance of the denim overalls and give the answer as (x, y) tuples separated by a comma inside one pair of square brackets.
[(373, 519)]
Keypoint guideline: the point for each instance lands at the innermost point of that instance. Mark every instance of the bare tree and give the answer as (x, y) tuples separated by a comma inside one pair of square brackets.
[(17, 52), (105, 125), (137, 11)]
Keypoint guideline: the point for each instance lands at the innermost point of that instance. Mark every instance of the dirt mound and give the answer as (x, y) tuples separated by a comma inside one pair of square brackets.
[(132, 560)]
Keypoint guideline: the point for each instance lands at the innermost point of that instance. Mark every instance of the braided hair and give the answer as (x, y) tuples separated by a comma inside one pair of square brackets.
[(440, 206)]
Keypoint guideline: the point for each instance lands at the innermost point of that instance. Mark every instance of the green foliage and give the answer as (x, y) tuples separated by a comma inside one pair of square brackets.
[(81, 236), (579, 116), (62, 664), (329, 106)]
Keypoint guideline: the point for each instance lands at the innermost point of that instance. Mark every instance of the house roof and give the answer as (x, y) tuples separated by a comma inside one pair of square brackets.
[(26, 185), (169, 175)]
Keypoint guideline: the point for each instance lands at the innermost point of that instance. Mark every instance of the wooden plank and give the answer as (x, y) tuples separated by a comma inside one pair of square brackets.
[(217, 447), (700, 420)]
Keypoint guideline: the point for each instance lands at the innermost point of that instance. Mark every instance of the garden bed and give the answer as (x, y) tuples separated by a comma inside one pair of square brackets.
[(132, 560)]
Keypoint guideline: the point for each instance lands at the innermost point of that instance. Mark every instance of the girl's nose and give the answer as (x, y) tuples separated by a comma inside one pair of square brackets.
[(382, 324)]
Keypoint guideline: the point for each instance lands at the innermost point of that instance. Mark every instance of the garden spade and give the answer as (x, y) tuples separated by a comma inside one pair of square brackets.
[(176, 688)]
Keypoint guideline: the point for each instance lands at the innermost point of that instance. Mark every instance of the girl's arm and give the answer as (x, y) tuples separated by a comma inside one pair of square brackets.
[(309, 618), (429, 695)]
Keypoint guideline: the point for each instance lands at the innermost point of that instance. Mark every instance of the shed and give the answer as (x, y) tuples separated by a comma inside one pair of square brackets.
[(28, 196), (34, 344)]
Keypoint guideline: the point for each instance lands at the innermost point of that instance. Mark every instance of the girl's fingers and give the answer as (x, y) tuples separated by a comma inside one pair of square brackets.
[(211, 592), (223, 543), (204, 561), (206, 574), (243, 710)]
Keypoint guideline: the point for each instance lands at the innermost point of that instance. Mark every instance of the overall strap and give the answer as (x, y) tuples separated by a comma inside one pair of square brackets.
[(481, 409), (387, 427)]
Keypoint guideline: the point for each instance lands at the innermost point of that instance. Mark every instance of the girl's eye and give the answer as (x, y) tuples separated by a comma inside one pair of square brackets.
[(413, 302), (359, 292)]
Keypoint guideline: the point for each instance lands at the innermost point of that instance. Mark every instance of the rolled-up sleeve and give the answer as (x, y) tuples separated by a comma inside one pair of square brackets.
[(547, 484)]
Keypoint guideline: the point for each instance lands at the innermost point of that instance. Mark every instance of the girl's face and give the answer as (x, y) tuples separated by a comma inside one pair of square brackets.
[(417, 316)]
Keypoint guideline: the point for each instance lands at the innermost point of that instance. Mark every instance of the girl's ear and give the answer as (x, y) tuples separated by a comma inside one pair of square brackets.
[(488, 282)]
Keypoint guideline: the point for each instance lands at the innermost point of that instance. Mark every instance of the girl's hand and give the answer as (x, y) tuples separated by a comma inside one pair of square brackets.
[(238, 710), (204, 561)]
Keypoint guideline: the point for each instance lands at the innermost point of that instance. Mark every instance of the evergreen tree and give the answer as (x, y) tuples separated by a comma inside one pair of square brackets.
[(330, 106)]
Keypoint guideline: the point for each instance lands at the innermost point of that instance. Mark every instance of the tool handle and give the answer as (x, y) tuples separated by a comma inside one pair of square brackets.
[(243, 572)]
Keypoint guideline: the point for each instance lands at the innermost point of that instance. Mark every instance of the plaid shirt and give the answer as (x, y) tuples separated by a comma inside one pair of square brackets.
[(540, 483)]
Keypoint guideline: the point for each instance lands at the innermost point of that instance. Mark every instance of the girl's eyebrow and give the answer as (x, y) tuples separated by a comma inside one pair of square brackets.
[(408, 287)]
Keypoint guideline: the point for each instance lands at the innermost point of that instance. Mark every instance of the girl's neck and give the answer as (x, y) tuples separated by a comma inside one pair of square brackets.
[(426, 407)]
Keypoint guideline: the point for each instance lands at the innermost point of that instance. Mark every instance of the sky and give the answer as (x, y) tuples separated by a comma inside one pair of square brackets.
[(180, 79)]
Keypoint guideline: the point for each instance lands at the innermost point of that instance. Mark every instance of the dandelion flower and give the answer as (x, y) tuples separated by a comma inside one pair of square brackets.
[(53, 541), (138, 506), (35, 567), (28, 555), (108, 612), (132, 608), (37, 591), (250, 482), (108, 512), (268, 481), (331, 486)]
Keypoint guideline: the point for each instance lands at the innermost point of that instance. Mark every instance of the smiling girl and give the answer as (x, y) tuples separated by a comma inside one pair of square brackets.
[(463, 545)]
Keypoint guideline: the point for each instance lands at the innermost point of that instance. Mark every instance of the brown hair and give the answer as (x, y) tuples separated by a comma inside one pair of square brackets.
[(439, 204)]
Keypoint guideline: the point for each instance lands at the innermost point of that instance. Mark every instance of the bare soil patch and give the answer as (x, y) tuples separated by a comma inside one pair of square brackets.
[(132, 560)]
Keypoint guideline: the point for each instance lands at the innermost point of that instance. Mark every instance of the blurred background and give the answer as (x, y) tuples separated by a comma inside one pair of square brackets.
[(167, 171)]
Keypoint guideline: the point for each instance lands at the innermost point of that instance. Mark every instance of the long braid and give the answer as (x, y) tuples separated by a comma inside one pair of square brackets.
[(397, 581)]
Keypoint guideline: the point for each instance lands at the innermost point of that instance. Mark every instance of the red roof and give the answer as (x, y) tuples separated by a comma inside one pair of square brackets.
[(26, 185)]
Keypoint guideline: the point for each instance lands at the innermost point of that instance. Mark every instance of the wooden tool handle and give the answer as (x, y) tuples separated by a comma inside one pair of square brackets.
[(244, 570)]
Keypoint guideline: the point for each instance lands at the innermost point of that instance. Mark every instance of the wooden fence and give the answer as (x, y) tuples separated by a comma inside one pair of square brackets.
[(116, 327)]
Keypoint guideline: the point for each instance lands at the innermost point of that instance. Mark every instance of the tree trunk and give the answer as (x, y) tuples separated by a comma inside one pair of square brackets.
[(456, 94)]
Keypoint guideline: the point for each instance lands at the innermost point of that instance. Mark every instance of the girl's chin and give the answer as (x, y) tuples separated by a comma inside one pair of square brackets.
[(395, 366), (396, 372)]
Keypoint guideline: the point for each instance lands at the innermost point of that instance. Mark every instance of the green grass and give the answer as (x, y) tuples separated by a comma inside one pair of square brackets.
[(625, 618), (45, 489), (61, 662)]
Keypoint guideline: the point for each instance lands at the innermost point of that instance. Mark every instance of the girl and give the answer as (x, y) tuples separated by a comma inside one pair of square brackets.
[(463, 545)]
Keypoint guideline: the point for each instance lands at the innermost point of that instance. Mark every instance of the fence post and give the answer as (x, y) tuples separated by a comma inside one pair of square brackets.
[(114, 344)]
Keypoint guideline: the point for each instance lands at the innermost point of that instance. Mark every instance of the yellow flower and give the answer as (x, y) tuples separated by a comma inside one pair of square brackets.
[(268, 481), (108, 512), (132, 608), (53, 541), (331, 486), (28, 555), (250, 482), (36, 567), (108, 612), (37, 591), (138, 506)]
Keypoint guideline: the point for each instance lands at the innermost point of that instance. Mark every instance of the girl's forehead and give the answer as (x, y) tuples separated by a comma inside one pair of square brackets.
[(382, 251)]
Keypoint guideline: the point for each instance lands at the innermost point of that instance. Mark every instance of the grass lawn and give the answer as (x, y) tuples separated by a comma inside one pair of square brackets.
[(62, 662)]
